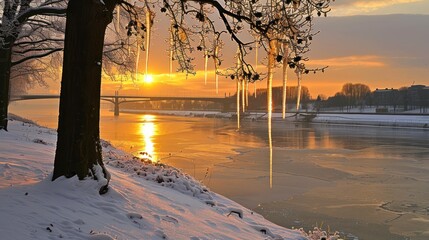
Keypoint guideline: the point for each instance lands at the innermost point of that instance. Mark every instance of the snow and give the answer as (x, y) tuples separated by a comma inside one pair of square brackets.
[(411, 121), (145, 200), (378, 120)]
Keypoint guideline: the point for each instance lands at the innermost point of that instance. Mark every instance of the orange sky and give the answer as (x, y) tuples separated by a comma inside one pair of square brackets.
[(374, 48)]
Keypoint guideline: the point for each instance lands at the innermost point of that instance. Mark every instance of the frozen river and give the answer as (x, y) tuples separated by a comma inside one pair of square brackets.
[(368, 182)]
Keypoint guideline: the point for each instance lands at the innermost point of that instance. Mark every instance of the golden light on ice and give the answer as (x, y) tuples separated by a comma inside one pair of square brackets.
[(147, 131)]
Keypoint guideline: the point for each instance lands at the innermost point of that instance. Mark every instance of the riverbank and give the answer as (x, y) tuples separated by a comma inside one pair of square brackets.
[(355, 119), (145, 201), (401, 121)]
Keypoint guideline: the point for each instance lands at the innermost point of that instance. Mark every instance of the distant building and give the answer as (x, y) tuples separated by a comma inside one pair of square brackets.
[(385, 97), (413, 97), (418, 96)]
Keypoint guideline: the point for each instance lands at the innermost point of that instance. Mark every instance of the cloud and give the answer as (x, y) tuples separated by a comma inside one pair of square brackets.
[(372, 5), (350, 61), (353, 7)]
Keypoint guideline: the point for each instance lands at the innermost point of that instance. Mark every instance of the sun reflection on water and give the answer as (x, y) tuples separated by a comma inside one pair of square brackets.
[(148, 129)]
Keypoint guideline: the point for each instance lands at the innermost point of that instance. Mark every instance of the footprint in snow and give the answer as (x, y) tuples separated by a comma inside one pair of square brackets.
[(178, 208), (170, 219), (134, 216), (79, 222), (161, 234)]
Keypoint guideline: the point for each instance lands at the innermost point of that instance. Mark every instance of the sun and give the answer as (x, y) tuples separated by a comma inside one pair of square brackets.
[(147, 78)]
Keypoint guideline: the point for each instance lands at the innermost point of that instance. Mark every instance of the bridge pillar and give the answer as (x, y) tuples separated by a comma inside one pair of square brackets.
[(226, 106), (116, 103)]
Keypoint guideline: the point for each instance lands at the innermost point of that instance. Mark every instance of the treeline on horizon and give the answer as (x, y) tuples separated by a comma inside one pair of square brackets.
[(351, 96), (384, 100)]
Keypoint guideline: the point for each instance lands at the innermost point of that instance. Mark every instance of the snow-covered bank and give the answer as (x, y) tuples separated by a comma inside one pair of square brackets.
[(145, 200), (405, 121), (186, 113)]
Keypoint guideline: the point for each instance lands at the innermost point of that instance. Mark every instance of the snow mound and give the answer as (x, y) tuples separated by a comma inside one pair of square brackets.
[(145, 200), (165, 176)]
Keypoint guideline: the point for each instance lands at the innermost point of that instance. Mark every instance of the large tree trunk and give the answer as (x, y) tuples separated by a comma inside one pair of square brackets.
[(78, 146), (5, 65)]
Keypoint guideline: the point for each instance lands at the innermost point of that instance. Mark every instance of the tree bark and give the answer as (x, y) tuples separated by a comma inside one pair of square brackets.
[(78, 146), (5, 65)]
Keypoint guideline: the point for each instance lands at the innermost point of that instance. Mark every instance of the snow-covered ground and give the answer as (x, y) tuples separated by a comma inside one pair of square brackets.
[(145, 200)]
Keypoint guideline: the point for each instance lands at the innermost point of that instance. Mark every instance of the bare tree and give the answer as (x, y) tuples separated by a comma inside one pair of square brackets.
[(78, 148), (15, 14), (36, 43), (36, 54), (355, 93)]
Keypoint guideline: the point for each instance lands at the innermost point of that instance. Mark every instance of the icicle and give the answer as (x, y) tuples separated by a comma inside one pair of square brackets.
[(238, 103), (242, 81), (256, 64), (270, 144), (285, 65), (148, 32), (254, 89), (206, 60), (137, 56), (243, 98), (247, 94), (298, 98), (215, 56), (271, 60), (118, 15), (238, 87), (171, 50)]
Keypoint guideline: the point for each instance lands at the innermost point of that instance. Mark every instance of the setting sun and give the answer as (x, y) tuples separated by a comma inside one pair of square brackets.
[(148, 78)]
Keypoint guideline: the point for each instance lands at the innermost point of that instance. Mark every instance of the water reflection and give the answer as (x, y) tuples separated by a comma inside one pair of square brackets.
[(148, 129), (270, 143)]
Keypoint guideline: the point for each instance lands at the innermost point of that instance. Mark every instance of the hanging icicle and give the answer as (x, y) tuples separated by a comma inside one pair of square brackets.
[(271, 61), (247, 94), (238, 103), (238, 86), (137, 56), (171, 50), (243, 95), (215, 58), (242, 81), (298, 98), (285, 65), (270, 145), (256, 64), (206, 60), (148, 34)]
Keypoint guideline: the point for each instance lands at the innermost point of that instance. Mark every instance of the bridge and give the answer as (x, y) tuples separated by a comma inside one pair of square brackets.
[(116, 99)]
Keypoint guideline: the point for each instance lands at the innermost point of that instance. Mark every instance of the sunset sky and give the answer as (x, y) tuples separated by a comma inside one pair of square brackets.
[(381, 43)]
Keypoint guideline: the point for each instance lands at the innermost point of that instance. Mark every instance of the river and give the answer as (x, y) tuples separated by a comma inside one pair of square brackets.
[(366, 182)]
